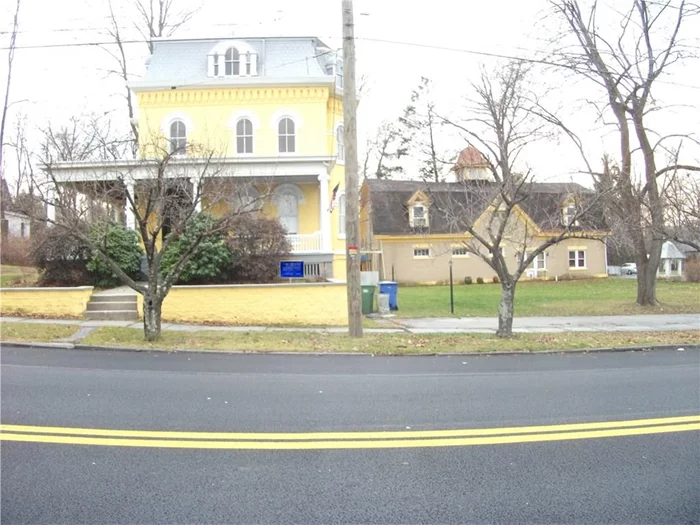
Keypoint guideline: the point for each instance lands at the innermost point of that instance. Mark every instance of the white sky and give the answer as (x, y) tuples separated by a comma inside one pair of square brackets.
[(55, 83)]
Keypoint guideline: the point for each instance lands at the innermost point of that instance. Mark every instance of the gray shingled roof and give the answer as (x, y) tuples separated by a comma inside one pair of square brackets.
[(184, 62), (455, 204)]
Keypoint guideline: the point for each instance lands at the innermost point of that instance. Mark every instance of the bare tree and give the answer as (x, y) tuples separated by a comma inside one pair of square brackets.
[(152, 19), (159, 18), (495, 212), (626, 65), (6, 101), (421, 126), (384, 152), (164, 193)]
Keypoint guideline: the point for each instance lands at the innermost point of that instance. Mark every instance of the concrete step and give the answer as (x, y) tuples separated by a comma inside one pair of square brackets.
[(112, 315), (116, 298), (111, 306)]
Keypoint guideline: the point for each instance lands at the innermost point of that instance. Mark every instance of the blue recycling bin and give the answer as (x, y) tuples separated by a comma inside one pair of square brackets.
[(392, 289)]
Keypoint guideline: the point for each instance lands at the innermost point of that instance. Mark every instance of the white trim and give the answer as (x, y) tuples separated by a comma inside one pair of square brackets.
[(285, 112), (242, 46), (171, 117), (341, 193), (234, 81), (243, 113), (288, 188)]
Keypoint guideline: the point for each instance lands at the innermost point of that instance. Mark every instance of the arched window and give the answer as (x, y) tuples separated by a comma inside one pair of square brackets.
[(287, 139), (341, 215), (340, 141), (232, 62), (244, 136), (287, 198), (178, 137)]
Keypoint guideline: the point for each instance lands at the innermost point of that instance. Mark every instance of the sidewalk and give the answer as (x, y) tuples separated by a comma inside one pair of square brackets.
[(622, 323)]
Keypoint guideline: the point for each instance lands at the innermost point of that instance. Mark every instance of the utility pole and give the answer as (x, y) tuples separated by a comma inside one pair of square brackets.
[(352, 200)]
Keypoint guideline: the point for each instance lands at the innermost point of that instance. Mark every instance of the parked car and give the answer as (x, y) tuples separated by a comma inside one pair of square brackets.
[(629, 268)]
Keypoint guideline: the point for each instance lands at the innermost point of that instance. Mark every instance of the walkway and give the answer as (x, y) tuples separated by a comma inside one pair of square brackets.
[(621, 323)]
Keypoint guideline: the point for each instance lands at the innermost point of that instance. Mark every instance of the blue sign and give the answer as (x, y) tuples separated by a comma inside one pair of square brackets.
[(292, 269)]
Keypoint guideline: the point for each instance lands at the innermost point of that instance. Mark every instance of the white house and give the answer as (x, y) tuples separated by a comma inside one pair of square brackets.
[(18, 224)]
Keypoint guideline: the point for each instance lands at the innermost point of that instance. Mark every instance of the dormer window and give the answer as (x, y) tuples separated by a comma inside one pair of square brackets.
[(339, 73), (232, 58), (419, 216), (232, 62), (568, 214)]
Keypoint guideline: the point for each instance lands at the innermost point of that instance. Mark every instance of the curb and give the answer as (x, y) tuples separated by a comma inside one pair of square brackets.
[(612, 349)]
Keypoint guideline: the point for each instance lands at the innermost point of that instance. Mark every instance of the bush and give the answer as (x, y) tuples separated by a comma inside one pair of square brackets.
[(61, 258), (467, 280), (692, 270), (257, 245), (122, 246), (479, 280), (210, 259), (495, 279)]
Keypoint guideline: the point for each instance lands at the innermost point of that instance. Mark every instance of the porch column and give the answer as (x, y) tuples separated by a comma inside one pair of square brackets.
[(325, 216), (128, 212), (50, 207), (198, 201), (680, 267)]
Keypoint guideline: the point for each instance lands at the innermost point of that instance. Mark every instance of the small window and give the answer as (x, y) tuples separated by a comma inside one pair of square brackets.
[(244, 136), (23, 230), (340, 140), (674, 262), (577, 258), (232, 62), (460, 251), (568, 214), (287, 139), (420, 216), (421, 253), (178, 138), (341, 215)]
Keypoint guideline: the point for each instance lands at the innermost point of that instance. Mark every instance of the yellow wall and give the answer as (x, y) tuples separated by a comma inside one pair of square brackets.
[(210, 112), (316, 304), (50, 302)]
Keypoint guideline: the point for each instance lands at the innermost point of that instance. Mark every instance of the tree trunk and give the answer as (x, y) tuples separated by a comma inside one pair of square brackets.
[(505, 310), (646, 284), (151, 316)]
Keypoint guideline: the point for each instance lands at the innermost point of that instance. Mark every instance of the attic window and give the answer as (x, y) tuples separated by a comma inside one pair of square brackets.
[(568, 214), (419, 216), (237, 60)]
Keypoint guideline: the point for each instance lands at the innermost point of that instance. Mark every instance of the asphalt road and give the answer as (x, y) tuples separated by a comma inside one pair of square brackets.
[(652, 478)]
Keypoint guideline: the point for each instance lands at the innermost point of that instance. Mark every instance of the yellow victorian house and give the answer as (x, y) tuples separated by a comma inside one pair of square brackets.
[(272, 110)]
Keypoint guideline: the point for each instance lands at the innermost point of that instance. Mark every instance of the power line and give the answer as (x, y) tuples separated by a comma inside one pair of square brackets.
[(367, 39)]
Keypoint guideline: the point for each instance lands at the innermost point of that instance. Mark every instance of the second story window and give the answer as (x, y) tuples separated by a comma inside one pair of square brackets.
[(244, 136), (568, 214), (178, 138), (340, 140), (232, 62), (287, 138)]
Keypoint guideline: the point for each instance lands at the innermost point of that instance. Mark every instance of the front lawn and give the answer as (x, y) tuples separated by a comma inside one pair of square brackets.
[(613, 296), (35, 332), (18, 276), (394, 344)]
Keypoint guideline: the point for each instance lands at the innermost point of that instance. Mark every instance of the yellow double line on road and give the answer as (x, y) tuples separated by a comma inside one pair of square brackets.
[(345, 440)]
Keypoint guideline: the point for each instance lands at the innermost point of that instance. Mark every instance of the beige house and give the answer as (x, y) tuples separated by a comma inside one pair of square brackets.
[(412, 230)]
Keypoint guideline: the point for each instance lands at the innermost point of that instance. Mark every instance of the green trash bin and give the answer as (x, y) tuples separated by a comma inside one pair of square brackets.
[(368, 299)]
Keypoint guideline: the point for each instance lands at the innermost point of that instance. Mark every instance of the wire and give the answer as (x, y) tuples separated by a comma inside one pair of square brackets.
[(367, 39)]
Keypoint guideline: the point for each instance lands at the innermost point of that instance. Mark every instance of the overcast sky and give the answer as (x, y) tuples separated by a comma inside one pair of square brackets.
[(53, 83)]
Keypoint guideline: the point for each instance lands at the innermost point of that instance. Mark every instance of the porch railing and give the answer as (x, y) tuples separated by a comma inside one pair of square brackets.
[(305, 242)]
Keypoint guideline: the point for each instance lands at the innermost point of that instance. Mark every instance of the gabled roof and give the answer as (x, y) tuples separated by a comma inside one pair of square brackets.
[(183, 62), (457, 204), (670, 251)]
